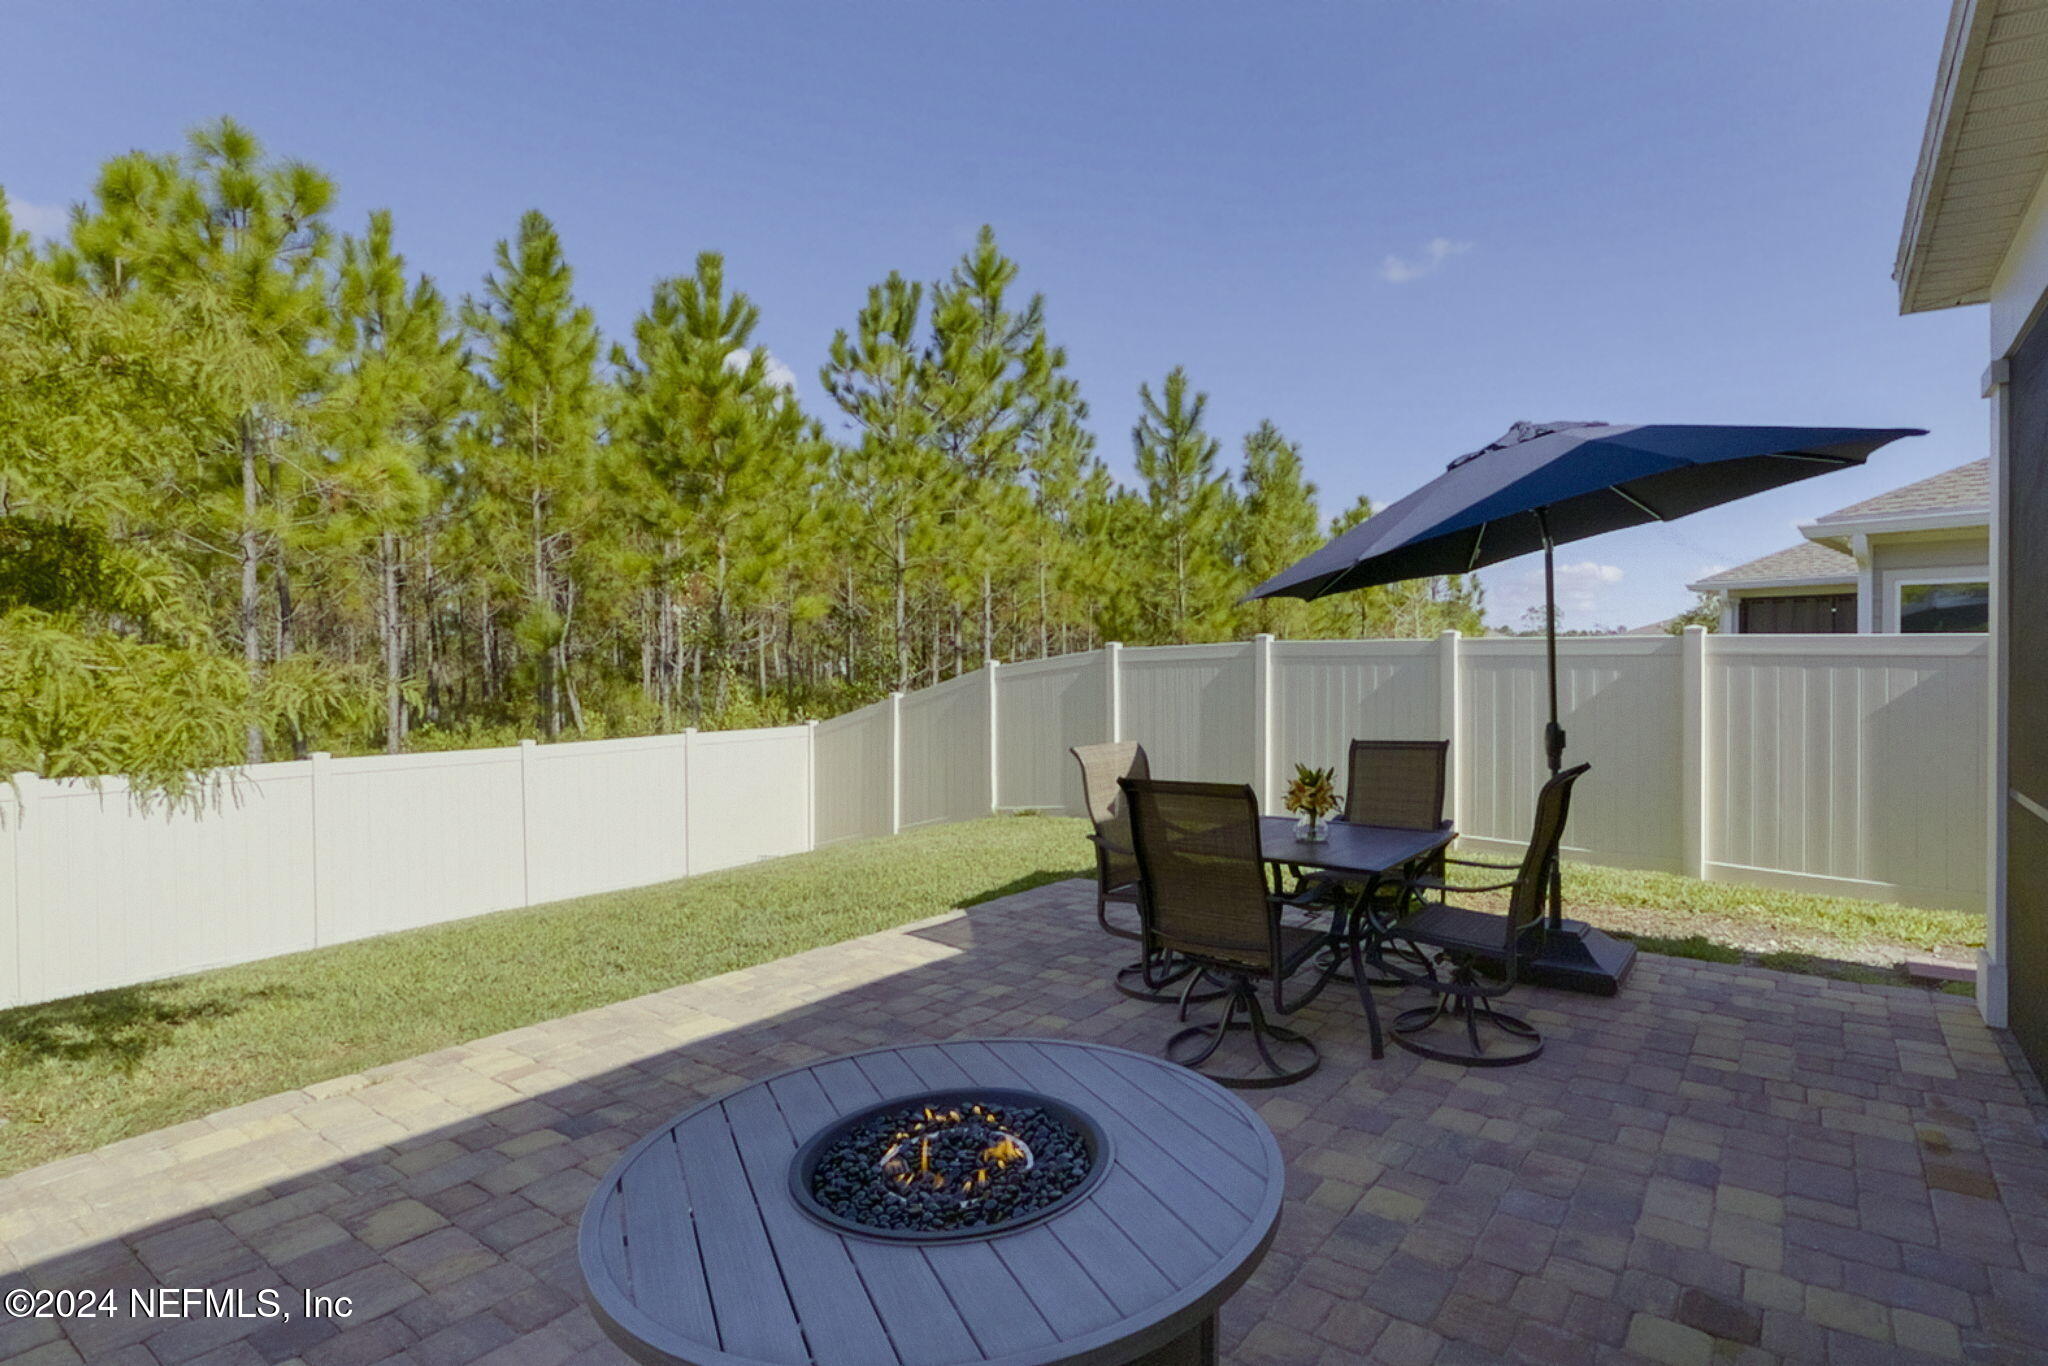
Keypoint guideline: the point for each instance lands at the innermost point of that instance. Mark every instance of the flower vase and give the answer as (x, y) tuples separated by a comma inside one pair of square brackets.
[(1311, 829)]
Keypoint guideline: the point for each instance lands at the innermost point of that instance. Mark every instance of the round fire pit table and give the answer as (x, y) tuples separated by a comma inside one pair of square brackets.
[(715, 1241)]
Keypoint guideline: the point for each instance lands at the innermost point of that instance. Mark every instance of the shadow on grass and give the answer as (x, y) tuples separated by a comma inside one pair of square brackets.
[(1039, 878), (117, 1028)]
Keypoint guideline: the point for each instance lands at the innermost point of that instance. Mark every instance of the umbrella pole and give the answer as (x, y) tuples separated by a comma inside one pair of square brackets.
[(1553, 733)]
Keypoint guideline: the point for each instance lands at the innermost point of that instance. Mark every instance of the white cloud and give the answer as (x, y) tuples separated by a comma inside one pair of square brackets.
[(1579, 585), (1399, 270), (780, 376), (1515, 599), (39, 220)]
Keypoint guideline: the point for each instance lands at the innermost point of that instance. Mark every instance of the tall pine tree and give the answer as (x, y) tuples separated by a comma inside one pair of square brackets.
[(1187, 589), (395, 403), (716, 456), (537, 444), (1277, 524)]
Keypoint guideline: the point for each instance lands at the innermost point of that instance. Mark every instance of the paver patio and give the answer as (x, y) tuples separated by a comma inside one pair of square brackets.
[(1724, 1164)]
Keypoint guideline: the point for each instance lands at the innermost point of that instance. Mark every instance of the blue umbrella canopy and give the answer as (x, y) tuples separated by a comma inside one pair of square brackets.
[(1543, 484)]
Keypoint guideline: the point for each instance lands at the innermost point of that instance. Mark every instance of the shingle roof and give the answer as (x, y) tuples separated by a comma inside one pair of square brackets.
[(1807, 561), (1965, 488)]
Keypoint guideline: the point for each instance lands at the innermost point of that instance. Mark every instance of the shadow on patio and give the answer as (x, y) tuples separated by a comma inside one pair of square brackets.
[(1724, 1163)]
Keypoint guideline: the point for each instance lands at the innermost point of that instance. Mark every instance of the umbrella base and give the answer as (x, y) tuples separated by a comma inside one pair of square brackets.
[(1576, 957)]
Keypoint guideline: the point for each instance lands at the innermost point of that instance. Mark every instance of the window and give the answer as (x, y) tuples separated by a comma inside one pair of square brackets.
[(1811, 614), (1964, 606)]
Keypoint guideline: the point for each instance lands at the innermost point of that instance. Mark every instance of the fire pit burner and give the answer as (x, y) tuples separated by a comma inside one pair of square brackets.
[(948, 1164)]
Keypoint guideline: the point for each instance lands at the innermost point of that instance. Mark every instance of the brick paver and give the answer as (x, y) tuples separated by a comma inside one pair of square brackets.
[(1722, 1165)]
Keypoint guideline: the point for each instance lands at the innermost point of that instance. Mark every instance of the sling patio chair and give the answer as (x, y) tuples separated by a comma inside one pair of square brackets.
[(1469, 956), (1203, 898), (1116, 865), (1397, 783)]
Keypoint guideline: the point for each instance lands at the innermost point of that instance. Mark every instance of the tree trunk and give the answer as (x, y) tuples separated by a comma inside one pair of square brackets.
[(285, 623), (902, 572), (543, 602), (252, 553), (394, 650)]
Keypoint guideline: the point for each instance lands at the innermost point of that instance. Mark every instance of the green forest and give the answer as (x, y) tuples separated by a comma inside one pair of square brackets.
[(266, 490)]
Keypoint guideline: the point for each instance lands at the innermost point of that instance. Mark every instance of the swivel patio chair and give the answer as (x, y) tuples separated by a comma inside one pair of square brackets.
[(1202, 897), (1116, 866), (1469, 956)]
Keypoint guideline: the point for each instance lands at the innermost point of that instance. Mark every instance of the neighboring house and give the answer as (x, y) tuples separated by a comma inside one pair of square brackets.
[(1976, 232), (1915, 559)]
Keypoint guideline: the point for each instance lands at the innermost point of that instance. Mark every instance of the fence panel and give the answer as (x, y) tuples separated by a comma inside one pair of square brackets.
[(1620, 700), (110, 894), (604, 815), (749, 796), (945, 751), (1328, 693), (1191, 707), (1044, 709), (1857, 759), (852, 797), (421, 838), (1854, 765)]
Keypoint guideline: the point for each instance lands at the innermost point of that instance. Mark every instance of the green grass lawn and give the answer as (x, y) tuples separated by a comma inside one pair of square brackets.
[(85, 1071)]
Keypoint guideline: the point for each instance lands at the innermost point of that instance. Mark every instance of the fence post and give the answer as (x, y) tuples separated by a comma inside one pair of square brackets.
[(526, 822), (22, 899), (1692, 752), (1113, 658), (689, 776), (1450, 678), (895, 762), (995, 788), (323, 862), (1262, 717), (810, 784)]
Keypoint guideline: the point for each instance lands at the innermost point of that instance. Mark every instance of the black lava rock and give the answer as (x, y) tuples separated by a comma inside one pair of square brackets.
[(942, 1169)]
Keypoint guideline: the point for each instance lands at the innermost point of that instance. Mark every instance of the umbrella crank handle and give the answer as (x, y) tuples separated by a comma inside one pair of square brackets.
[(1553, 745)]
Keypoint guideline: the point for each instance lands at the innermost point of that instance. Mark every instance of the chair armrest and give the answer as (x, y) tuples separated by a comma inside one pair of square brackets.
[(1484, 863), (1103, 842), (1438, 885)]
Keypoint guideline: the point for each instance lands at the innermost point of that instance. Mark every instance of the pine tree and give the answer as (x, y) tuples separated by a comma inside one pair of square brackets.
[(1277, 524), (717, 458), (253, 233), (537, 435), (400, 390), (894, 485), (1190, 505)]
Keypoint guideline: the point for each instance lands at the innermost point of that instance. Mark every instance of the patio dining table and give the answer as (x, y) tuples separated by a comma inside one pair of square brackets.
[(1367, 855)]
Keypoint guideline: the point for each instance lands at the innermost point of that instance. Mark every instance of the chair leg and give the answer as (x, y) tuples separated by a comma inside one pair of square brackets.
[(1244, 1000), (1461, 1001), (1136, 980)]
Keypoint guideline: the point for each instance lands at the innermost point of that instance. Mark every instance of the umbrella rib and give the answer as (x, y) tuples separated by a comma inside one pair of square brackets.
[(1478, 540), (1638, 504), (1835, 460)]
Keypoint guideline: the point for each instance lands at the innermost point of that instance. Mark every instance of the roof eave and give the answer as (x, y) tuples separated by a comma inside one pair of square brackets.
[(1744, 585), (1962, 52), (1828, 531)]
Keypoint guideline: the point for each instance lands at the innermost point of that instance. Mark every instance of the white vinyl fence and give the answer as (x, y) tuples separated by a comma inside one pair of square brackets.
[(1846, 764)]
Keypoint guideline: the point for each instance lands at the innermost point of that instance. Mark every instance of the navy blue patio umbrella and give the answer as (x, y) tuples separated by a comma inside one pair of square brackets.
[(1537, 487), (1545, 483)]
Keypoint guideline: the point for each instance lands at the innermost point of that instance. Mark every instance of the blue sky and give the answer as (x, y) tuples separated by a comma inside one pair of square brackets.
[(1393, 228)]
